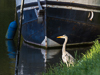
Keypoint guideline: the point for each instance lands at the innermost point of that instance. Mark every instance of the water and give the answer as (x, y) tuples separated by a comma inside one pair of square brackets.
[(6, 16), (32, 60)]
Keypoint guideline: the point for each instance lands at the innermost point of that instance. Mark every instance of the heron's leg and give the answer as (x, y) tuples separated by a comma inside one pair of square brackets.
[(67, 64)]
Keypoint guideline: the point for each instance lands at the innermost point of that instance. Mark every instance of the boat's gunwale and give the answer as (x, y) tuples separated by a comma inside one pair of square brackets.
[(70, 45), (61, 4)]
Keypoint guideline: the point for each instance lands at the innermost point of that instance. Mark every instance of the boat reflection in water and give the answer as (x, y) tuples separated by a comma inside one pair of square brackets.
[(34, 61), (11, 48)]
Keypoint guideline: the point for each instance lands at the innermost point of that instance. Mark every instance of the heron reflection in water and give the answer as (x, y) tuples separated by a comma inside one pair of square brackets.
[(66, 57)]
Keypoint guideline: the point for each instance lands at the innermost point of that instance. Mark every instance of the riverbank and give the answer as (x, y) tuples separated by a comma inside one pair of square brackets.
[(89, 64)]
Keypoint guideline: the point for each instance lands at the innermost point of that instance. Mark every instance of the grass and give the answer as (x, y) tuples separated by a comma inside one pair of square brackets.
[(89, 64)]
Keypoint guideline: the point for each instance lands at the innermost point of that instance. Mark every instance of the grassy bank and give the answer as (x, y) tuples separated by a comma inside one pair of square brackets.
[(89, 64)]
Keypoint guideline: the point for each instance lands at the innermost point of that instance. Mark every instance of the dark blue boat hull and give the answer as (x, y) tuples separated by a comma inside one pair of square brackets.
[(73, 23), (59, 21)]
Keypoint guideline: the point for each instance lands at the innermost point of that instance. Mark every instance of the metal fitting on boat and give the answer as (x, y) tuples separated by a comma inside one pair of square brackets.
[(91, 15), (39, 12), (40, 16)]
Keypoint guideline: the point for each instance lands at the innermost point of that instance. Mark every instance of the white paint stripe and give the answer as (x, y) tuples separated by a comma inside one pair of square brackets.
[(56, 6), (50, 42), (44, 42), (29, 8), (74, 8)]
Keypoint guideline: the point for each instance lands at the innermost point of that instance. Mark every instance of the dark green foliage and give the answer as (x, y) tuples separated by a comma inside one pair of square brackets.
[(89, 64)]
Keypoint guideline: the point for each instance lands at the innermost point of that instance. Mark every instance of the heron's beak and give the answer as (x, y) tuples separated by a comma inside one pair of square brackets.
[(60, 37)]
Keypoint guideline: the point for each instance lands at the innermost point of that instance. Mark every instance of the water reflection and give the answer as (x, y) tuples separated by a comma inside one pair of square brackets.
[(11, 48), (34, 60), (11, 53)]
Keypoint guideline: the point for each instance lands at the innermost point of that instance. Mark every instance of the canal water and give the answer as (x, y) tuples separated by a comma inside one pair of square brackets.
[(32, 60), (7, 61)]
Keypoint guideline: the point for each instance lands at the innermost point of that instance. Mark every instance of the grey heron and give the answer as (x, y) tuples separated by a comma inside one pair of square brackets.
[(66, 57)]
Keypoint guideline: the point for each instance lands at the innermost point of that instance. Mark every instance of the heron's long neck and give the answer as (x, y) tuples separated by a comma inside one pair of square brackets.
[(64, 46)]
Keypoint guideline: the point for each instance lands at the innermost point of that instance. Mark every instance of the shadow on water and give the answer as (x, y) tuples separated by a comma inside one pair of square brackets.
[(34, 61)]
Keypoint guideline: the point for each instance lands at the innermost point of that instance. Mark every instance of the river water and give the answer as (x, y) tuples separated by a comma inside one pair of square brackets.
[(6, 16), (32, 60)]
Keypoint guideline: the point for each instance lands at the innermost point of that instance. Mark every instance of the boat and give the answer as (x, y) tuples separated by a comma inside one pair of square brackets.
[(44, 20)]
